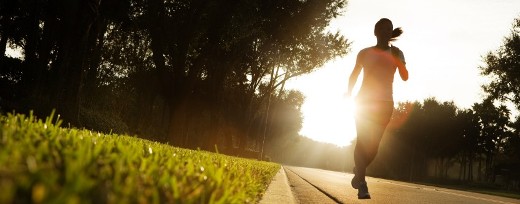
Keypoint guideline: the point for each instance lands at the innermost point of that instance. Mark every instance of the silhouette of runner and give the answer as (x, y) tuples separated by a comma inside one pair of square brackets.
[(374, 102)]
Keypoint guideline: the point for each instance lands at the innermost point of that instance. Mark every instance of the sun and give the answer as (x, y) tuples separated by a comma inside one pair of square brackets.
[(328, 115), (329, 119)]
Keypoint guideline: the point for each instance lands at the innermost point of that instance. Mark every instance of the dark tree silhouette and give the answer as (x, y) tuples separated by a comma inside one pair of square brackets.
[(53, 37), (494, 131), (502, 66), (469, 129), (498, 141), (184, 72)]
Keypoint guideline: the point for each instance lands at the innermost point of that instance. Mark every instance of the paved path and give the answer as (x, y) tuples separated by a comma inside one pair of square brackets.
[(307, 185)]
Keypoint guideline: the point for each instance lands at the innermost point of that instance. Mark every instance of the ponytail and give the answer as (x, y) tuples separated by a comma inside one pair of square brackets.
[(396, 33)]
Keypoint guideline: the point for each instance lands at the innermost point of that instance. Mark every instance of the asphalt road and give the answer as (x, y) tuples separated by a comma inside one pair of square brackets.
[(321, 186)]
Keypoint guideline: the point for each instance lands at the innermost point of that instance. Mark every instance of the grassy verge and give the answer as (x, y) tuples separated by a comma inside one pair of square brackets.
[(41, 162)]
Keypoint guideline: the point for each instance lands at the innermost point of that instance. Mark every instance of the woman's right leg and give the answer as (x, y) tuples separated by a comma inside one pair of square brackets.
[(371, 121), (362, 154)]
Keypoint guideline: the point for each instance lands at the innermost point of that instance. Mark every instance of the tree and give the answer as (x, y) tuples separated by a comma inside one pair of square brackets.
[(406, 126), (494, 130), (502, 66), (254, 46), (469, 128), (286, 120), (54, 37), (422, 133), (512, 155)]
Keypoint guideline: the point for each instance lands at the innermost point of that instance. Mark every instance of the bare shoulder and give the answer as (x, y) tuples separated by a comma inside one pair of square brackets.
[(364, 51), (398, 54), (396, 50)]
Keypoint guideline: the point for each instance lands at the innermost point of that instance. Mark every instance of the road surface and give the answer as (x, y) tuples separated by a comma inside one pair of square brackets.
[(307, 185)]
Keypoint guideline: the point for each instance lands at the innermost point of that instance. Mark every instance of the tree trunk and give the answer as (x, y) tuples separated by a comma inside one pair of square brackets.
[(96, 41), (41, 91), (71, 69), (470, 168), (446, 168), (435, 172), (3, 44), (412, 164), (489, 168), (479, 171), (462, 167), (166, 84)]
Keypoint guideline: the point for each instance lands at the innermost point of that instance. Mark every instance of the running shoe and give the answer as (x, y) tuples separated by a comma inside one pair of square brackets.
[(355, 181), (363, 191)]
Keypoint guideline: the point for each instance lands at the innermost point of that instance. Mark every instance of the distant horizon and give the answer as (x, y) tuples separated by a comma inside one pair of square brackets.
[(443, 43)]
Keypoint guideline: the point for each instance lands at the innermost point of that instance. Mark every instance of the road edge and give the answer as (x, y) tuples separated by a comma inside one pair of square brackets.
[(279, 190)]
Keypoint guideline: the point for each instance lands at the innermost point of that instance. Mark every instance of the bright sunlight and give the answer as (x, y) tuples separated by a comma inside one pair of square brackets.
[(328, 113), (330, 117)]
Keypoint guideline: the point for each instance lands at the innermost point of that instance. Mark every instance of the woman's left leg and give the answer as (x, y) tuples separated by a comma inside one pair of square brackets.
[(380, 118)]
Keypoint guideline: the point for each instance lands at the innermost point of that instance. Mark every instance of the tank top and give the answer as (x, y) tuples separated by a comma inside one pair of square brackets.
[(379, 68)]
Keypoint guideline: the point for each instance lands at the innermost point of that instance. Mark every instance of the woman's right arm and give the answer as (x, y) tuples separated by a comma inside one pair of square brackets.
[(354, 75)]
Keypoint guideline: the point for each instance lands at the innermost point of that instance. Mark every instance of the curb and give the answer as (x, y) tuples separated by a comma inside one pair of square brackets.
[(279, 190)]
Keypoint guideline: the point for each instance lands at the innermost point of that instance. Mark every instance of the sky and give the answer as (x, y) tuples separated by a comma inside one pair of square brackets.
[(444, 42)]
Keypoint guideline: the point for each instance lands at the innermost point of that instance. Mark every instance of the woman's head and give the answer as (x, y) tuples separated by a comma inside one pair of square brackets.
[(384, 30)]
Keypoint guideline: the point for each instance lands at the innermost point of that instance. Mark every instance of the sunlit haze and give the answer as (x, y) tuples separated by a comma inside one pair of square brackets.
[(443, 43)]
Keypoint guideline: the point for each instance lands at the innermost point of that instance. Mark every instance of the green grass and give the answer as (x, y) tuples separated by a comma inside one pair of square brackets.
[(41, 162)]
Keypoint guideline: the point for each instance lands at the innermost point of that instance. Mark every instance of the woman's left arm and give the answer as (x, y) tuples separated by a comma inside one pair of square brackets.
[(403, 72), (401, 66)]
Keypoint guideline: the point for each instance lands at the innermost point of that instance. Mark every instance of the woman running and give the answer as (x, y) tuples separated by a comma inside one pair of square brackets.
[(374, 102)]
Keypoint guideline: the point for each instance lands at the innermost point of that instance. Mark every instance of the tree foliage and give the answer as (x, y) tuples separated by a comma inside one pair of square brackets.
[(502, 66), (192, 73), (427, 139)]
